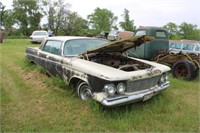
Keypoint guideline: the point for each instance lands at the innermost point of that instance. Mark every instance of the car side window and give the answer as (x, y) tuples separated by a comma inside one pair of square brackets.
[(172, 45), (188, 47), (53, 47), (175, 45), (197, 48)]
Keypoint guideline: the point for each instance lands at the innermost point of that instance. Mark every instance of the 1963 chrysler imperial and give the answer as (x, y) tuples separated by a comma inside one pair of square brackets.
[(101, 70)]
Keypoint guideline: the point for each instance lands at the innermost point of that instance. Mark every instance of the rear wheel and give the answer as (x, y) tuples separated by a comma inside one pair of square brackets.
[(84, 91), (184, 70)]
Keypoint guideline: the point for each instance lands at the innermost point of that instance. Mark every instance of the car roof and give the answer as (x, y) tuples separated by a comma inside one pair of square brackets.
[(65, 38), (39, 31), (151, 28), (183, 42)]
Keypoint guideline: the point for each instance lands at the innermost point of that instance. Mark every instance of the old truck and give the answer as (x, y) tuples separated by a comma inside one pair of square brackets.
[(100, 70), (184, 65)]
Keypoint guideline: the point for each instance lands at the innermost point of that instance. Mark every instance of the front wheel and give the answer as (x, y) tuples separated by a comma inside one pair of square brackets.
[(84, 91), (184, 70)]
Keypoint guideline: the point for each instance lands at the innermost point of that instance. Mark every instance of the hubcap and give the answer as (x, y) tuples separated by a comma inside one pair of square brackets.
[(85, 92)]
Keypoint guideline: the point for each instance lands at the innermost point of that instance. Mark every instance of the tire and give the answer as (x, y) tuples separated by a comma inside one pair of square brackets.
[(84, 91), (184, 70)]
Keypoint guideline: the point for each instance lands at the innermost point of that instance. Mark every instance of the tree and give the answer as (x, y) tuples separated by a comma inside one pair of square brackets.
[(102, 20), (55, 11), (189, 31), (172, 28), (72, 24), (127, 24), (8, 21), (2, 12), (27, 15)]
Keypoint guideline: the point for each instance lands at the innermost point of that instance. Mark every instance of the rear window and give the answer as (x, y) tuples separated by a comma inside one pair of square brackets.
[(38, 33), (161, 34)]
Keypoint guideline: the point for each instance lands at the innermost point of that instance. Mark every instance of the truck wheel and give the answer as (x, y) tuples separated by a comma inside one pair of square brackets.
[(184, 70), (84, 91)]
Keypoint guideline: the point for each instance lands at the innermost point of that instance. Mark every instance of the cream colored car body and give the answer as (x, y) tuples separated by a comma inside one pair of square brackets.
[(93, 70)]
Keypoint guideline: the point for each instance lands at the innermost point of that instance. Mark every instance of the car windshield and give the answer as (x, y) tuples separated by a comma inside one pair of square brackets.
[(39, 33), (79, 46), (141, 32)]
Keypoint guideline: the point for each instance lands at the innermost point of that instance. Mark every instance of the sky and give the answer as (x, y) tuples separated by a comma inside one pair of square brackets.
[(143, 12)]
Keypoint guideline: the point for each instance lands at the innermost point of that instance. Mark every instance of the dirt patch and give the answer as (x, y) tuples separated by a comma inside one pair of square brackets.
[(34, 79)]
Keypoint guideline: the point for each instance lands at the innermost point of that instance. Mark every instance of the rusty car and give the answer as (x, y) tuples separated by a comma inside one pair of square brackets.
[(101, 70), (184, 46)]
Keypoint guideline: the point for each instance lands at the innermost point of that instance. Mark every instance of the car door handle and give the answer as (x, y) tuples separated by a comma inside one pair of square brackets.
[(47, 56)]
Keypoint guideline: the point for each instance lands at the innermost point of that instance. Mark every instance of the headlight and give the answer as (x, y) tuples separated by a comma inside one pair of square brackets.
[(110, 89), (121, 88), (164, 78)]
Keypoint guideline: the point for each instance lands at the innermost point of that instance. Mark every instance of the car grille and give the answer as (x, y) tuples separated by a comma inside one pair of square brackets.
[(143, 84)]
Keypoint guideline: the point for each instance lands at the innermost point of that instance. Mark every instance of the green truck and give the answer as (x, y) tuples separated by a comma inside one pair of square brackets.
[(184, 66)]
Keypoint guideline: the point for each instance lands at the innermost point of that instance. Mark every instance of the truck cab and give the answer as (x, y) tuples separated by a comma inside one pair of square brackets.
[(148, 49), (183, 65)]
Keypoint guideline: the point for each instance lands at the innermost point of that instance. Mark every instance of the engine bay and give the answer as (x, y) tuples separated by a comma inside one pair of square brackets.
[(116, 60)]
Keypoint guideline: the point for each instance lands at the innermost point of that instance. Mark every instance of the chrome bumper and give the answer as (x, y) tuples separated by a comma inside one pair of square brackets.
[(121, 100)]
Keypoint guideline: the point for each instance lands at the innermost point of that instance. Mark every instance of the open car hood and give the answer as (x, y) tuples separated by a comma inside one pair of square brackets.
[(121, 45)]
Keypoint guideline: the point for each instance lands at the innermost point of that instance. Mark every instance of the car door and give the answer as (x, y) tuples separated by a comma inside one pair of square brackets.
[(42, 57), (52, 57)]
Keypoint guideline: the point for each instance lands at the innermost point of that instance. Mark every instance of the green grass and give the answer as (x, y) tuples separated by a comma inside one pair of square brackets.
[(31, 101)]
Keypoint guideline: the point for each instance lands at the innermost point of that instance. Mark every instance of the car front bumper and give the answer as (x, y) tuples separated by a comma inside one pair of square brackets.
[(134, 97)]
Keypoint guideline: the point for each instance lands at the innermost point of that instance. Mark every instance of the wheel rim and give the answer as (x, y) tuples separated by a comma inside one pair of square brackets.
[(85, 92), (181, 71)]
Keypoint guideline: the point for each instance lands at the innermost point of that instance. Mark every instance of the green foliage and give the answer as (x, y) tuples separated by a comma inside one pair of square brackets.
[(27, 15), (2, 12), (16, 34), (183, 31), (127, 24), (55, 81), (6, 19), (102, 20), (73, 24), (9, 21), (55, 10), (172, 29), (41, 70), (189, 31)]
